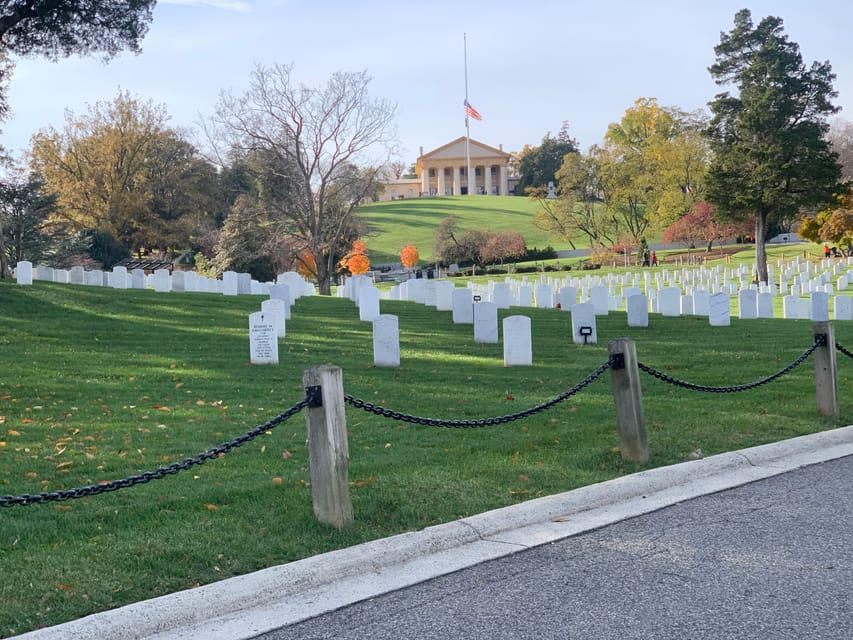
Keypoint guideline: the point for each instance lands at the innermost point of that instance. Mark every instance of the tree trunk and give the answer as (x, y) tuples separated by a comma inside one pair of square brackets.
[(324, 280), (4, 266), (760, 249)]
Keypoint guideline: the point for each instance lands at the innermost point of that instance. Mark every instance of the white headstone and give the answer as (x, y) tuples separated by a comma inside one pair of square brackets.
[(118, 278), (701, 302), (137, 279), (669, 299), (820, 307), (178, 280), (583, 324), (790, 307), (274, 308), (229, 283), (77, 275), (94, 278), (599, 296), (244, 284), (463, 306), (502, 296), (368, 303), (638, 311), (686, 304), (444, 295), (747, 304), (544, 296), (518, 343), (525, 295), (720, 310), (24, 272), (386, 341), (567, 297), (486, 322), (765, 305), (263, 339), (162, 281), (843, 307)]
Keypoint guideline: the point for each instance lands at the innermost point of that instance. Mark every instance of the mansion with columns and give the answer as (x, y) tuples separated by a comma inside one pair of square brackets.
[(444, 171)]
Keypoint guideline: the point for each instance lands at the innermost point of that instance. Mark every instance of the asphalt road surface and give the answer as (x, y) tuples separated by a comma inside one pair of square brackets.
[(768, 560)]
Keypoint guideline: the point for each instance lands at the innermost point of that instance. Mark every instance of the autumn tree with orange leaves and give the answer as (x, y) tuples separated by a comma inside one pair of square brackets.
[(409, 256)]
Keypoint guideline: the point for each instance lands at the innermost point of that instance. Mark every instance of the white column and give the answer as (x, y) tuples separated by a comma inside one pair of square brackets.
[(488, 179), (504, 184), (424, 181), (457, 182), (440, 173)]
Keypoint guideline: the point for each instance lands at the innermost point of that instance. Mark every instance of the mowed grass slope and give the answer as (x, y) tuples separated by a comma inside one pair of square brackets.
[(392, 225), (100, 384)]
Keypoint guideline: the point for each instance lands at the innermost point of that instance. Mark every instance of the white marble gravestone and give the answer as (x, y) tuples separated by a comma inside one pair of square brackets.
[(162, 281), (584, 330), (518, 343), (263, 339), (843, 307), (502, 296), (637, 307), (138, 279), (118, 278), (24, 272), (544, 296), (820, 307), (229, 283), (790, 307), (685, 304), (765, 305), (567, 297), (386, 341), (701, 302), (368, 303), (444, 295), (275, 309), (78, 275), (669, 300), (463, 306), (525, 295), (486, 322), (599, 297), (719, 310), (747, 300), (244, 284), (94, 278)]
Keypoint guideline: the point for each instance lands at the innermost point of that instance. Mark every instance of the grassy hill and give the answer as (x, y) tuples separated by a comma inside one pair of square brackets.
[(391, 225)]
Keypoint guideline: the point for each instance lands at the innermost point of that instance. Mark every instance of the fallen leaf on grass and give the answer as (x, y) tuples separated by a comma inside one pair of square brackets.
[(276, 480), (161, 407), (64, 587), (286, 455), (210, 507), (2, 444), (12, 432)]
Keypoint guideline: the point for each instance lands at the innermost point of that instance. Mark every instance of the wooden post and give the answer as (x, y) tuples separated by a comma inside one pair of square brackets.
[(628, 397), (328, 451), (826, 384)]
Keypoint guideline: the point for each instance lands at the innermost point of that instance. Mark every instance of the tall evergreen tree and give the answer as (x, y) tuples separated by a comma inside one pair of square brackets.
[(771, 156)]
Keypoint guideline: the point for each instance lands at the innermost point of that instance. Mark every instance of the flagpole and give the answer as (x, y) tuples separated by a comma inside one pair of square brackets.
[(467, 128)]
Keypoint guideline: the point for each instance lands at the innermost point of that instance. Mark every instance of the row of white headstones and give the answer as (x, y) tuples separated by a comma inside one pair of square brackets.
[(698, 291), (162, 280), (705, 292)]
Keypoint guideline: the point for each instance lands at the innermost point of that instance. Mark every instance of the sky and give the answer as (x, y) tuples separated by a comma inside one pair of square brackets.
[(531, 66)]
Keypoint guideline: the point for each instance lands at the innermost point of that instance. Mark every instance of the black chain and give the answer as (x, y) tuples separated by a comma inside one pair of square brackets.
[(819, 342), (162, 472), (841, 348), (484, 422)]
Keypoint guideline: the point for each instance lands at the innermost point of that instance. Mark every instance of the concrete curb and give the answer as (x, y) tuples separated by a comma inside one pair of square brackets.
[(245, 606)]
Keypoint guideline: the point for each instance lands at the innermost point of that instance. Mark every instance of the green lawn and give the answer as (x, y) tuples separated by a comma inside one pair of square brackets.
[(392, 225), (101, 384)]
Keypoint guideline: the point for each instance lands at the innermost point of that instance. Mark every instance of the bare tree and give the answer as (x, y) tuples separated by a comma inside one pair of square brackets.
[(841, 138), (316, 137)]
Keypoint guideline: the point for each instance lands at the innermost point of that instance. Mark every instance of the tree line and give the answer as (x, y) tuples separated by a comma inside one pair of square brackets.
[(283, 166)]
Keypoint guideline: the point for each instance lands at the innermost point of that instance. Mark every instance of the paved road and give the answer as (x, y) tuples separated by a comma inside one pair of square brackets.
[(771, 559)]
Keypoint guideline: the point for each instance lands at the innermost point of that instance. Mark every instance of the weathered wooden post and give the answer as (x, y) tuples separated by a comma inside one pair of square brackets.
[(826, 384), (628, 397), (328, 451)]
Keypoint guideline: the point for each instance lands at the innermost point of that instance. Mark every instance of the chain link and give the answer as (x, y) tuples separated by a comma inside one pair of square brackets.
[(162, 472), (484, 422), (820, 341), (841, 348)]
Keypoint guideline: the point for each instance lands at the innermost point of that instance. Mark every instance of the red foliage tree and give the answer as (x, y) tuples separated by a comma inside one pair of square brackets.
[(702, 226), (409, 256), (501, 246)]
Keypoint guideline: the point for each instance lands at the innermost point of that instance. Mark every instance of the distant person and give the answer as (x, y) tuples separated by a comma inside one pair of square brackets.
[(825, 250), (654, 259), (646, 258)]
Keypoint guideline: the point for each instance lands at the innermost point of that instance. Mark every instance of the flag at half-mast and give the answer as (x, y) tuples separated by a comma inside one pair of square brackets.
[(471, 111)]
